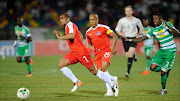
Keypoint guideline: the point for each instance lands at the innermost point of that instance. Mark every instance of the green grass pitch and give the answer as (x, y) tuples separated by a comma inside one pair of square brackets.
[(49, 84)]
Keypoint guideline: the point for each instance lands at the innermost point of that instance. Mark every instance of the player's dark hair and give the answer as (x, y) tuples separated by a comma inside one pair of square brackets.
[(158, 14), (144, 18), (66, 15)]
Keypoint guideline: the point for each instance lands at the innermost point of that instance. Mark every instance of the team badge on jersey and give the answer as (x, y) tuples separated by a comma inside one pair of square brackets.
[(98, 33)]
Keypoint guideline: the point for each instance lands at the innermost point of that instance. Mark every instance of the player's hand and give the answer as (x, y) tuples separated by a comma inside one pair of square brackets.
[(113, 51), (137, 35), (57, 33), (123, 34), (21, 36)]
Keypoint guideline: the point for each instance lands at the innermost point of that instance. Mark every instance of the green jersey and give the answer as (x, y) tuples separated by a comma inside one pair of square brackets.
[(24, 31), (149, 42), (165, 37)]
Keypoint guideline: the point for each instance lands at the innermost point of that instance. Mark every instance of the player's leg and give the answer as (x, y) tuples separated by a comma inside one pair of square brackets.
[(148, 53), (64, 62), (87, 61), (130, 60), (20, 53), (26, 50), (105, 78), (166, 67), (104, 68), (157, 61), (28, 65)]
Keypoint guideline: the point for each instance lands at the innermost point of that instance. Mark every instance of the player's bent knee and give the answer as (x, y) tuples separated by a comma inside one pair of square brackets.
[(18, 60), (163, 73), (152, 68), (148, 57)]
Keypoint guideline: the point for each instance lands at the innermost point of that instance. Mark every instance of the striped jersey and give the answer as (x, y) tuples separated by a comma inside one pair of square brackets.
[(24, 31), (165, 37), (149, 42)]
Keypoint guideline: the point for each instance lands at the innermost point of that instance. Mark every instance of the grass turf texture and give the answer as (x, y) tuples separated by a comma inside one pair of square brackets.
[(49, 84)]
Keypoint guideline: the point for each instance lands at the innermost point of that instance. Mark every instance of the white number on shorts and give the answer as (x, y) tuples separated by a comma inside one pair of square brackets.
[(107, 55), (85, 58)]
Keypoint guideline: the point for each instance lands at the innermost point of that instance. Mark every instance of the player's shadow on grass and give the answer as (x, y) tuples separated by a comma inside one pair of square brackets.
[(17, 73), (92, 92), (69, 95), (124, 78), (150, 91)]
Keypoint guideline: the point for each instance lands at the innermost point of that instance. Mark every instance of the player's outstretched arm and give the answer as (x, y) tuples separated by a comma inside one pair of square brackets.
[(174, 30), (137, 39), (66, 37)]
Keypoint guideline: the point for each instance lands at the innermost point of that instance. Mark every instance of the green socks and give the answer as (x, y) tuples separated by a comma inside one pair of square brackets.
[(28, 68), (148, 62), (158, 69), (163, 81), (22, 59)]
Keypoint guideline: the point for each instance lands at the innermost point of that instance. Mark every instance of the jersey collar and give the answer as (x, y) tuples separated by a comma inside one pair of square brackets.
[(68, 23), (95, 27), (160, 25)]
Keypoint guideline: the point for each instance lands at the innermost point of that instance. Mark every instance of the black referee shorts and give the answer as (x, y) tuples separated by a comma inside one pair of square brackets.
[(128, 44)]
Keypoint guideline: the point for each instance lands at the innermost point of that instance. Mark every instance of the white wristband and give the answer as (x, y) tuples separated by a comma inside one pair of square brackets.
[(15, 42)]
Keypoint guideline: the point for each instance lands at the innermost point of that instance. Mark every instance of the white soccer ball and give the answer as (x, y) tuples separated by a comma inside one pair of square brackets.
[(23, 93)]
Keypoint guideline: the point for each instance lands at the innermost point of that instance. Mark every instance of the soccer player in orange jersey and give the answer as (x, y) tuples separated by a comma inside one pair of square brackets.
[(79, 53), (98, 37)]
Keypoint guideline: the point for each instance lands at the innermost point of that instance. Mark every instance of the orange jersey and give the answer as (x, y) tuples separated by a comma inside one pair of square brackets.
[(76, 46), (99, 36)]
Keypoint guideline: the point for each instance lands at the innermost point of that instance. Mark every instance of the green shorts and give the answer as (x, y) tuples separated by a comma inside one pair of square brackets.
[(165, 59), (148, 51), (23, 51)]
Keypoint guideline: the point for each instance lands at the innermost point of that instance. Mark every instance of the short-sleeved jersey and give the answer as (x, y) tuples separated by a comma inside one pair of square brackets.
[(149, 42), (25, 32), (76, 46), (165, 37), (129, 26), (99, 36)]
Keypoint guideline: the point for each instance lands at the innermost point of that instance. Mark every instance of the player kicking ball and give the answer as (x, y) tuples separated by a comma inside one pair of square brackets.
[(23, 37), (165, 57), (98, 36), (79, 53)]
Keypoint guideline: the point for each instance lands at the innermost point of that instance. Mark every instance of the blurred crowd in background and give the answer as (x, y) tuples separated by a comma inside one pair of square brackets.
[(45, 13)]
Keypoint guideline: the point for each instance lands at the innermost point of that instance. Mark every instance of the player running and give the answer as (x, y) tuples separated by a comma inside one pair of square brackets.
[(98, 36), (165, 57), (148, 45), (79, 53), (23, 37)]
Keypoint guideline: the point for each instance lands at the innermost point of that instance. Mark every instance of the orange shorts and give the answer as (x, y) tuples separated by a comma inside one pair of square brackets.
[(84, 59), (103, 55)]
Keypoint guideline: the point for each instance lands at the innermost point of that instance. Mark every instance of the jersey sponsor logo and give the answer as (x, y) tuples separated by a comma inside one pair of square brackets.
[(98, 33), (161, 33), (19, 32)]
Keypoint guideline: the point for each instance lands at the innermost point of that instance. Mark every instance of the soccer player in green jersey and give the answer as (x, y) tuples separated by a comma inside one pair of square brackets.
[(23, 37), (164, 58), (148, 44)]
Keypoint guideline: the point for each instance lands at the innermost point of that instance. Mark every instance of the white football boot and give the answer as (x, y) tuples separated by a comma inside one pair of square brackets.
[(76, 86)]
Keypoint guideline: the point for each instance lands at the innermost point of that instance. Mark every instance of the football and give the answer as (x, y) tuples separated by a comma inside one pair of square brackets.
[(23, 93)]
